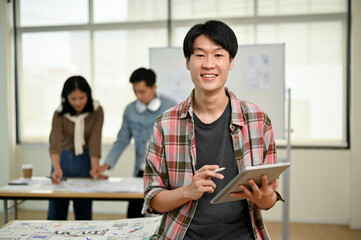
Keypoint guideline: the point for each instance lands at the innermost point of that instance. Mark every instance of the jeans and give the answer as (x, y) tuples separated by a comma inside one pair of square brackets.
[(72, 166), (135, 206)]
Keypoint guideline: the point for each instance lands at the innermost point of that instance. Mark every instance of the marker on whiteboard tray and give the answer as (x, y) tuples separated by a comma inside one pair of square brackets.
[(219, 170)]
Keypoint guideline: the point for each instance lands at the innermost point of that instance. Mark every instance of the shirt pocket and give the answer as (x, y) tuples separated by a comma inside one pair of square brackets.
[(137, 128)]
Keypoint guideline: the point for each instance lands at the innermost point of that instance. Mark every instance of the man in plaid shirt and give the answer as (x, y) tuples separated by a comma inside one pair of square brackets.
[(210, 129)]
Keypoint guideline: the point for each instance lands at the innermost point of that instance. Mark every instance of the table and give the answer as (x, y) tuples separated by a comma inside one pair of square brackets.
[(41, 188), (134, 229)]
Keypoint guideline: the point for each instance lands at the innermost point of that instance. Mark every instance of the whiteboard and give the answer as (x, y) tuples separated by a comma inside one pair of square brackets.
[(257, 76)]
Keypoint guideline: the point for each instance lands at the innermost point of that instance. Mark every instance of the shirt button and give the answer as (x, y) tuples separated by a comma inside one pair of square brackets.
[(232, 128), (236, 137)]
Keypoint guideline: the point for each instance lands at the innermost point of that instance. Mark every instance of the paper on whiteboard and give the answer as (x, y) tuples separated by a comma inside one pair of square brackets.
[(177, 84), (258, 72)]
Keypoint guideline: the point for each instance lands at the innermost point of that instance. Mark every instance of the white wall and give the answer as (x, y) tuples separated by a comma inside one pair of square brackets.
[(324, 183), (6, 96), (355, 209), (315, 195)]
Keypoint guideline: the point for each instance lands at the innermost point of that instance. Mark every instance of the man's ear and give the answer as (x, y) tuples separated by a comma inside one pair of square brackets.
[(187, 63), (231, 64)]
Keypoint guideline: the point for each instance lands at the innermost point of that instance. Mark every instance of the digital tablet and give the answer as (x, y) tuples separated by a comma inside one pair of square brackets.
[(255, 172)]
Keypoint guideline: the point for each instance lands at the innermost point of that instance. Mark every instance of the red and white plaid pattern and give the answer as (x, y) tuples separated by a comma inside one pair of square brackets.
[(171, 158)]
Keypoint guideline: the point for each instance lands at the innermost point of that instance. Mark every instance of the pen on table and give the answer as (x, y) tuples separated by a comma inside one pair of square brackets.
[(219, 170), (17, 183)]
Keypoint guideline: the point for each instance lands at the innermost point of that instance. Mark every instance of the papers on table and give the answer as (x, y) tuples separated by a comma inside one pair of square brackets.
[(111, 186), (136, 228), (86, 185)]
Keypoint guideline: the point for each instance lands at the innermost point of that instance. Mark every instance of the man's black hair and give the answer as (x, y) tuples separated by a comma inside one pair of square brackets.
[(143, 74), (71, 84), (217, 31)]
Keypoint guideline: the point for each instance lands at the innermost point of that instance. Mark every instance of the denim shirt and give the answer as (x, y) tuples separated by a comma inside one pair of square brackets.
[(137, 125)]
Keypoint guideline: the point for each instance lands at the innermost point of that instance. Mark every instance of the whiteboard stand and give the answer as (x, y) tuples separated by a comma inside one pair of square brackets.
[(286, 177)]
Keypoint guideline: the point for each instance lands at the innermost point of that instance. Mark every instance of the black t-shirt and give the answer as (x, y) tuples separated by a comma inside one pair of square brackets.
[(225, 220)]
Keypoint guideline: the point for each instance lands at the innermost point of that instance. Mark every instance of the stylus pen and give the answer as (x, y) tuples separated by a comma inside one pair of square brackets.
[(219, 169)]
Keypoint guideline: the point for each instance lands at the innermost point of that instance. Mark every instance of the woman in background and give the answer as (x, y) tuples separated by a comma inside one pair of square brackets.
[(75, 144)]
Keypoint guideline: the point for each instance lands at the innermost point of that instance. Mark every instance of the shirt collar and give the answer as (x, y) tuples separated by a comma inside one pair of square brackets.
[(237, 117)]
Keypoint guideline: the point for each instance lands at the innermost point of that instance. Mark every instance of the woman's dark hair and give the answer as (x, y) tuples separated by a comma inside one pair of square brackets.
[(143, 74), (71, 84), (218, 31)]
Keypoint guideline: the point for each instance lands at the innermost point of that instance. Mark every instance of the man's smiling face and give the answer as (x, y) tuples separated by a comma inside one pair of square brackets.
[(209, 65)]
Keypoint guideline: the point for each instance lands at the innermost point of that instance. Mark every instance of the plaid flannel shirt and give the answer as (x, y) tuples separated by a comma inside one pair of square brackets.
[(171, 159)]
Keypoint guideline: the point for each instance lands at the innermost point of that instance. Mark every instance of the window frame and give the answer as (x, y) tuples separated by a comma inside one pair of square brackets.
[(170, 25)]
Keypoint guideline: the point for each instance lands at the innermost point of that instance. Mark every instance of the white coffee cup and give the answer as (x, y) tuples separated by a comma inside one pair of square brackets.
[(27, 170)]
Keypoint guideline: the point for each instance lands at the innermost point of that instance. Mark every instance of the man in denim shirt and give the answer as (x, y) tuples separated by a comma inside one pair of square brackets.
[(138, 120)]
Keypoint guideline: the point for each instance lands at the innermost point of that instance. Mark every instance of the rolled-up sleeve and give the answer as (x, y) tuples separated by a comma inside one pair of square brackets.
[(269, 145), (270, 154), (155, 175)]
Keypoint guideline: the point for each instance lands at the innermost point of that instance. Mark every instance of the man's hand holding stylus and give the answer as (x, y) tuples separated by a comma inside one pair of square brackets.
[(202, 182)]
